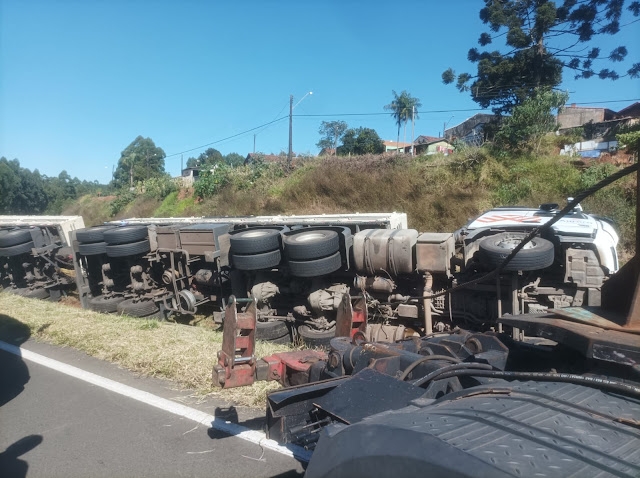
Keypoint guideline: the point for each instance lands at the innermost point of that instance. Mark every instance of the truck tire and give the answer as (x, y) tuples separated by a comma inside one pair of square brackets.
[(254, 241), (14, 238), (537, 254), (104, 304), (126, 234), (92, 234), (315, 244), (140, 308), (160, 316), (316, 338), (275, 331), (92, 248), (17, 250), (37, 293), (316, 267), (256, 262), (132, 249)]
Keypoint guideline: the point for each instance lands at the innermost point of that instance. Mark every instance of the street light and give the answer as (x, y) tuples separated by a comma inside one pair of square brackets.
[(294, 106), (291, 107), (445, 125)]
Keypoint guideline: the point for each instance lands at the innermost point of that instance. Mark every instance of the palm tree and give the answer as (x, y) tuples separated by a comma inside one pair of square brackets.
[(402, 108)]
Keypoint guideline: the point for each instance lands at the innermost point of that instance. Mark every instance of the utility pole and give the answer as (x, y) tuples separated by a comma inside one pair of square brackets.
[(254, 142), (413, 125), (290, 132), (181, 165)]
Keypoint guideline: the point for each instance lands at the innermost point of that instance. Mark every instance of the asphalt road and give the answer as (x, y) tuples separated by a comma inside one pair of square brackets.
[(54, 425)]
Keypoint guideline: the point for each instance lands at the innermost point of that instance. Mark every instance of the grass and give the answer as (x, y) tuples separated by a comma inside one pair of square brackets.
[(439, 194), (94, 210), (173, 206), (180, 353)]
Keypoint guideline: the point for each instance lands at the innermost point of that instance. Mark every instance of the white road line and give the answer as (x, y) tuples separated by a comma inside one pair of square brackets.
[(197, 416)]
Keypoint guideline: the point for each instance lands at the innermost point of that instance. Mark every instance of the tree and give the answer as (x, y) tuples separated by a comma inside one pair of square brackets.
[(360, 141), (543, 40), (402, 108), (331, 132), (629, 139), (206, 160), (141, 160), (234, 160), (9, 183), (531, 120)]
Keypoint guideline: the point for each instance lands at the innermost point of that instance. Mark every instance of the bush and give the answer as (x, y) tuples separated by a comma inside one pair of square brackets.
[(124, 198), (211, 183), (159, 187)]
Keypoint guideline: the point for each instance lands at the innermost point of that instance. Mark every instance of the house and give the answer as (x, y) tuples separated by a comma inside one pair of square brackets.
[(395, 146), (189, 176), (431, 145), (631, 111), (599, 128), (471, 130), (575, 116)]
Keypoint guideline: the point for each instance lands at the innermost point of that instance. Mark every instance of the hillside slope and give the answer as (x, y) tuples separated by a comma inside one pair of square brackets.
[(437, 193)]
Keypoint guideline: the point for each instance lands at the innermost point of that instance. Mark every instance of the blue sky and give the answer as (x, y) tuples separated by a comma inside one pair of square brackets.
[(81, 79)]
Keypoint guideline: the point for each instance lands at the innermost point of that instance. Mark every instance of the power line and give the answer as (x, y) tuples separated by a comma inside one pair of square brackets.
[(367, 114), (228, 137)]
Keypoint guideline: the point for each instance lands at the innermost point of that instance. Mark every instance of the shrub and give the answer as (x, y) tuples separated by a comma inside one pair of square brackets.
[(159, 187), (211, 183), (121, 201)]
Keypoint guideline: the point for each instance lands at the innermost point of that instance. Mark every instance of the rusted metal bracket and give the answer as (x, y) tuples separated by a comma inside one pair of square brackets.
[(289, 368), (236, 361), (351, 316)]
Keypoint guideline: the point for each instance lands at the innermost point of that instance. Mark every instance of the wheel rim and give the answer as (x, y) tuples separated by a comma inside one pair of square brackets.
[(510, 243), (310, 237)]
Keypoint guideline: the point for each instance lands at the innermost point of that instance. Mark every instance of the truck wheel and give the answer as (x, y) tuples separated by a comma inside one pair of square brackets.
[(92, 248), (38, 293), (316, 338), (256, 262), (17, 250), (104, 304), (140, 308), (254, 241), (275, 331), (92, 234), (123, 250), (13, 238), (160, 315), (537, 254), (317, 267), (305, 245), (126, 234)]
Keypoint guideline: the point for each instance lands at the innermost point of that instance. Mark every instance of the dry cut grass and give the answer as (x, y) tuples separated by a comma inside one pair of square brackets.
[(180, 353)]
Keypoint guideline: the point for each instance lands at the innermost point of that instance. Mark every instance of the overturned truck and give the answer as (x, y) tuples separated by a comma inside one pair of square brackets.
[(298, 269), (536, 391), (35, 255)]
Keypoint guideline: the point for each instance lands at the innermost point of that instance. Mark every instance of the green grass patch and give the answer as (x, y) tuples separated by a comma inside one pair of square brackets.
[(172, 206), (180, 353)]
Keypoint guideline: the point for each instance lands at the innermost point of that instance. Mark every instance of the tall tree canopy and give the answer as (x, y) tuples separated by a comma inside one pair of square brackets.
[(402, 107), (210, 157), (141, 160), (331, 132), (543, 39), (360, 141)]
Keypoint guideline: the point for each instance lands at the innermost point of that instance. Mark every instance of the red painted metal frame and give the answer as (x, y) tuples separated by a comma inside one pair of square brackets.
[(236, 361), (284, 366)]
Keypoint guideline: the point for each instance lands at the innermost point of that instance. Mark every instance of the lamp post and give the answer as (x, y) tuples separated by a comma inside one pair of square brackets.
[(445, 125), (291, 107)]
